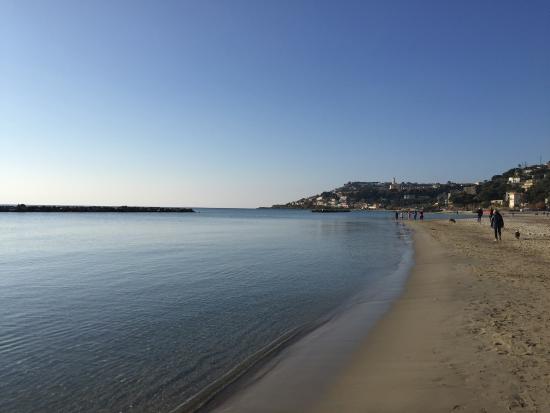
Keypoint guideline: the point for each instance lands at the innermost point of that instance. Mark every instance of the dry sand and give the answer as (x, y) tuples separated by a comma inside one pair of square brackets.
[(470, 333)]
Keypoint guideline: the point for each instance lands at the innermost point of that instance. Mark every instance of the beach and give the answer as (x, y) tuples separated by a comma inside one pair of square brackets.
[(469, 332)]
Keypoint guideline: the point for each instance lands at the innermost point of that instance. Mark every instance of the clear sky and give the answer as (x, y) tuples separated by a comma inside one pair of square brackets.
[(248, 103)]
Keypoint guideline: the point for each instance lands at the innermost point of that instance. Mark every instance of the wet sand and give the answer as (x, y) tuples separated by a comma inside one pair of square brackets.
[(470, 333)]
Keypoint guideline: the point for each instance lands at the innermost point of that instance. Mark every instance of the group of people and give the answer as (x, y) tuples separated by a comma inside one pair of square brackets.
[(496, 220), (410, 215)]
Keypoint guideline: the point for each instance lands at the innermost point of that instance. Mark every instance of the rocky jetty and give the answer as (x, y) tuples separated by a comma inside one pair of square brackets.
[(81, 208)]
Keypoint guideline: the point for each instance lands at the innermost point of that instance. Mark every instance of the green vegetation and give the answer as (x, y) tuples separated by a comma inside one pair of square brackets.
[(539, 193)]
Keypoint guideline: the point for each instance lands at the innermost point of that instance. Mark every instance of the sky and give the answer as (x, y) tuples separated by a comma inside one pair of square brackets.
[(249, 103)]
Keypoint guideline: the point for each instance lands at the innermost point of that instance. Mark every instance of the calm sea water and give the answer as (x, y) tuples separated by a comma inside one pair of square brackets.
[(137, 312)]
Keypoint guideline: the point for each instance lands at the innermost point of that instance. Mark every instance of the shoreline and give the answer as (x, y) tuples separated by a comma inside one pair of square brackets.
[(309, 361), (468, 333), (405, 363)]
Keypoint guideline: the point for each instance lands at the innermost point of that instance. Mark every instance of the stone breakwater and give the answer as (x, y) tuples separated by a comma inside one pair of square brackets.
[(81, 208)]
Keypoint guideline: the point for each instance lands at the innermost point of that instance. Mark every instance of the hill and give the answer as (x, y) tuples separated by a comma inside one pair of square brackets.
[(521, 187)]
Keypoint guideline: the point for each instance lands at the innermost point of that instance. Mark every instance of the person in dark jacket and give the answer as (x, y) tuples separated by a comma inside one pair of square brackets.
[(479, 214), (497, 222)]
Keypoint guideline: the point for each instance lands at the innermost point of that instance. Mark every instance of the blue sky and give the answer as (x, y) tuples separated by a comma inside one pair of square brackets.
[(248, 103)]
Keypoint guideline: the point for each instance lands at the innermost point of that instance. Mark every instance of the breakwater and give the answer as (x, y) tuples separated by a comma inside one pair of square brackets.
[(83, 208)]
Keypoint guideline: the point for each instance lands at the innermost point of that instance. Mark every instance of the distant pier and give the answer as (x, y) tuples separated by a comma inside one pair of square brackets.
[(82, 208)]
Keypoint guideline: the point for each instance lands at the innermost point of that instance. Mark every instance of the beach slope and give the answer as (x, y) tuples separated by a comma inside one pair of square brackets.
[(469, 334)]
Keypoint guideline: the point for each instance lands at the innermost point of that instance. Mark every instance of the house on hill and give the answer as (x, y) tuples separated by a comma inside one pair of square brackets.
[(514, 199), (527, 184)]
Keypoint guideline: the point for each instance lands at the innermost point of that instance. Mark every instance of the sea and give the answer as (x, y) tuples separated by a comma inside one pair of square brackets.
[(137, 312)]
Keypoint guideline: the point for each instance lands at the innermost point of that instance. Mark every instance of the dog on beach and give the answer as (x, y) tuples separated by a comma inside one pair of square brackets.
[(452, 220), (517, 234)]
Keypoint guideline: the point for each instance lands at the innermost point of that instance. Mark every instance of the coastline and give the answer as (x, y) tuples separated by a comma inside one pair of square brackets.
[(468, 333)]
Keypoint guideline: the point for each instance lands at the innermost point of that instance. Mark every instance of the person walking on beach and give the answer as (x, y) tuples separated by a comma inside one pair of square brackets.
[(491, 213), (415, 214), (497, 222), (396, 215), (479, 214), (421, 215)]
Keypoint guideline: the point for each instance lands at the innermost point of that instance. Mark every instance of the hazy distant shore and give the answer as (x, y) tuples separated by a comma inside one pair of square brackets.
[(469, 333), (85, 208)]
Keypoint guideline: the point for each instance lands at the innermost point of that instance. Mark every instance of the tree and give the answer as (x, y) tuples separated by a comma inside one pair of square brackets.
[(539, 192), (463, 199)]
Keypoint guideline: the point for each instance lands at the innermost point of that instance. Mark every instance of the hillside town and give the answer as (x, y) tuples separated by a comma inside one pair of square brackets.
[(521, 188)]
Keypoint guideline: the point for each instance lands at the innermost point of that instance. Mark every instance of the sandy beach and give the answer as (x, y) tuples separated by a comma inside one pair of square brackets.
[(469, 333)]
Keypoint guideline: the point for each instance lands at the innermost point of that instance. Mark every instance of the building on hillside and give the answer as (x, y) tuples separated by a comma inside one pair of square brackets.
[(497, 202), (528, 184), (394, 185), (514, 199), (443, 199), (514, 180)]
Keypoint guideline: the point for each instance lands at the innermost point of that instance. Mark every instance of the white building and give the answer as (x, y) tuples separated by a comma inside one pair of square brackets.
[(528, 184), (514, 180), (514, 199)]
